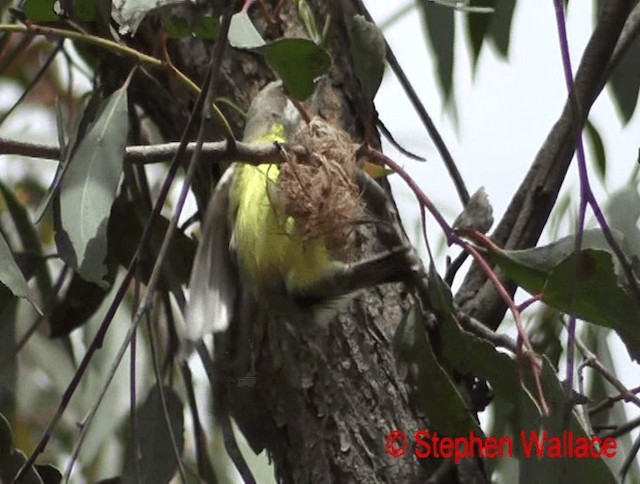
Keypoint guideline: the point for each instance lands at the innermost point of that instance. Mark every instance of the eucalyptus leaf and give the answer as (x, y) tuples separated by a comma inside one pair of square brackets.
[(368, 53), (11, 275), (298, 62), (500, 30), (157, 462), (515, 393), (589, 284), (597, 148), (28, 237), (439, 23), (625, 81), (88, 189), (477, 27), (435, 393)]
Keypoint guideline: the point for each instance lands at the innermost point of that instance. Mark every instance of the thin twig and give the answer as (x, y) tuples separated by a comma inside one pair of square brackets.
[(592, 360), (474, 326), (43, 69), (250, 153)]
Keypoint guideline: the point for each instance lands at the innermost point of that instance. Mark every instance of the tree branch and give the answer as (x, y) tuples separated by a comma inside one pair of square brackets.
[(531, 205)]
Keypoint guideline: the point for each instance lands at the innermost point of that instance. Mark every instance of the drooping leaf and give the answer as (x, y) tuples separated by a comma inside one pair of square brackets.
[(625, 81), (368, 53), (530, 268), (11, 275), (435, 393), (81, 300), (157, 462), (598, 389), (623, 213), (88, 188), (88, 117), (28, 237), (125, 231), (439, 22), (469, 354), (9, 373), (297, 62), (477, 27), (597, 149), (500, 30)]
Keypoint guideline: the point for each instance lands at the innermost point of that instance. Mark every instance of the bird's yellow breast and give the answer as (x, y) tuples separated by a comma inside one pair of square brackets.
[(268, 246)]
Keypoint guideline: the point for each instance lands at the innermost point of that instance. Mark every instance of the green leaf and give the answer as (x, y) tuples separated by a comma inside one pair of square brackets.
[(28, 237), (157, 461), (297, 62), (368, 52), (40, 10), (11, 460), (80, 302), (469, 354), (11, 275), (592, 286), (88, 188), (597, 149), (203, 27), (85, 10), (439, 22), (206, 27), (435, 395), (85, 122), (477, 27), (500, 30), (530, 268), (6, 436), (623, 213), (242, 33), (602, 296), (625, 81), (125, 229)]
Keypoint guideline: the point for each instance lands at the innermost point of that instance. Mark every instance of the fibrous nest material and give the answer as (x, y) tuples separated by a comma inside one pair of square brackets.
[(319, 187)]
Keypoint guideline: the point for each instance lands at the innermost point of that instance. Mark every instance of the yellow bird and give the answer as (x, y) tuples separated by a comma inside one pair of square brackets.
[(277, 241)]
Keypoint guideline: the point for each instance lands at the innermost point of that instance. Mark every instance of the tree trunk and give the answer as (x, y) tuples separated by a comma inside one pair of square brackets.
[(328, 397)]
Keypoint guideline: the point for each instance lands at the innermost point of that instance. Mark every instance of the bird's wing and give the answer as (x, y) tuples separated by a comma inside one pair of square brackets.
[(214, 277)]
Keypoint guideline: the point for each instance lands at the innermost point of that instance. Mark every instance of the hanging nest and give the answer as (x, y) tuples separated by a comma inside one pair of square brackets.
[(319, 188)]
